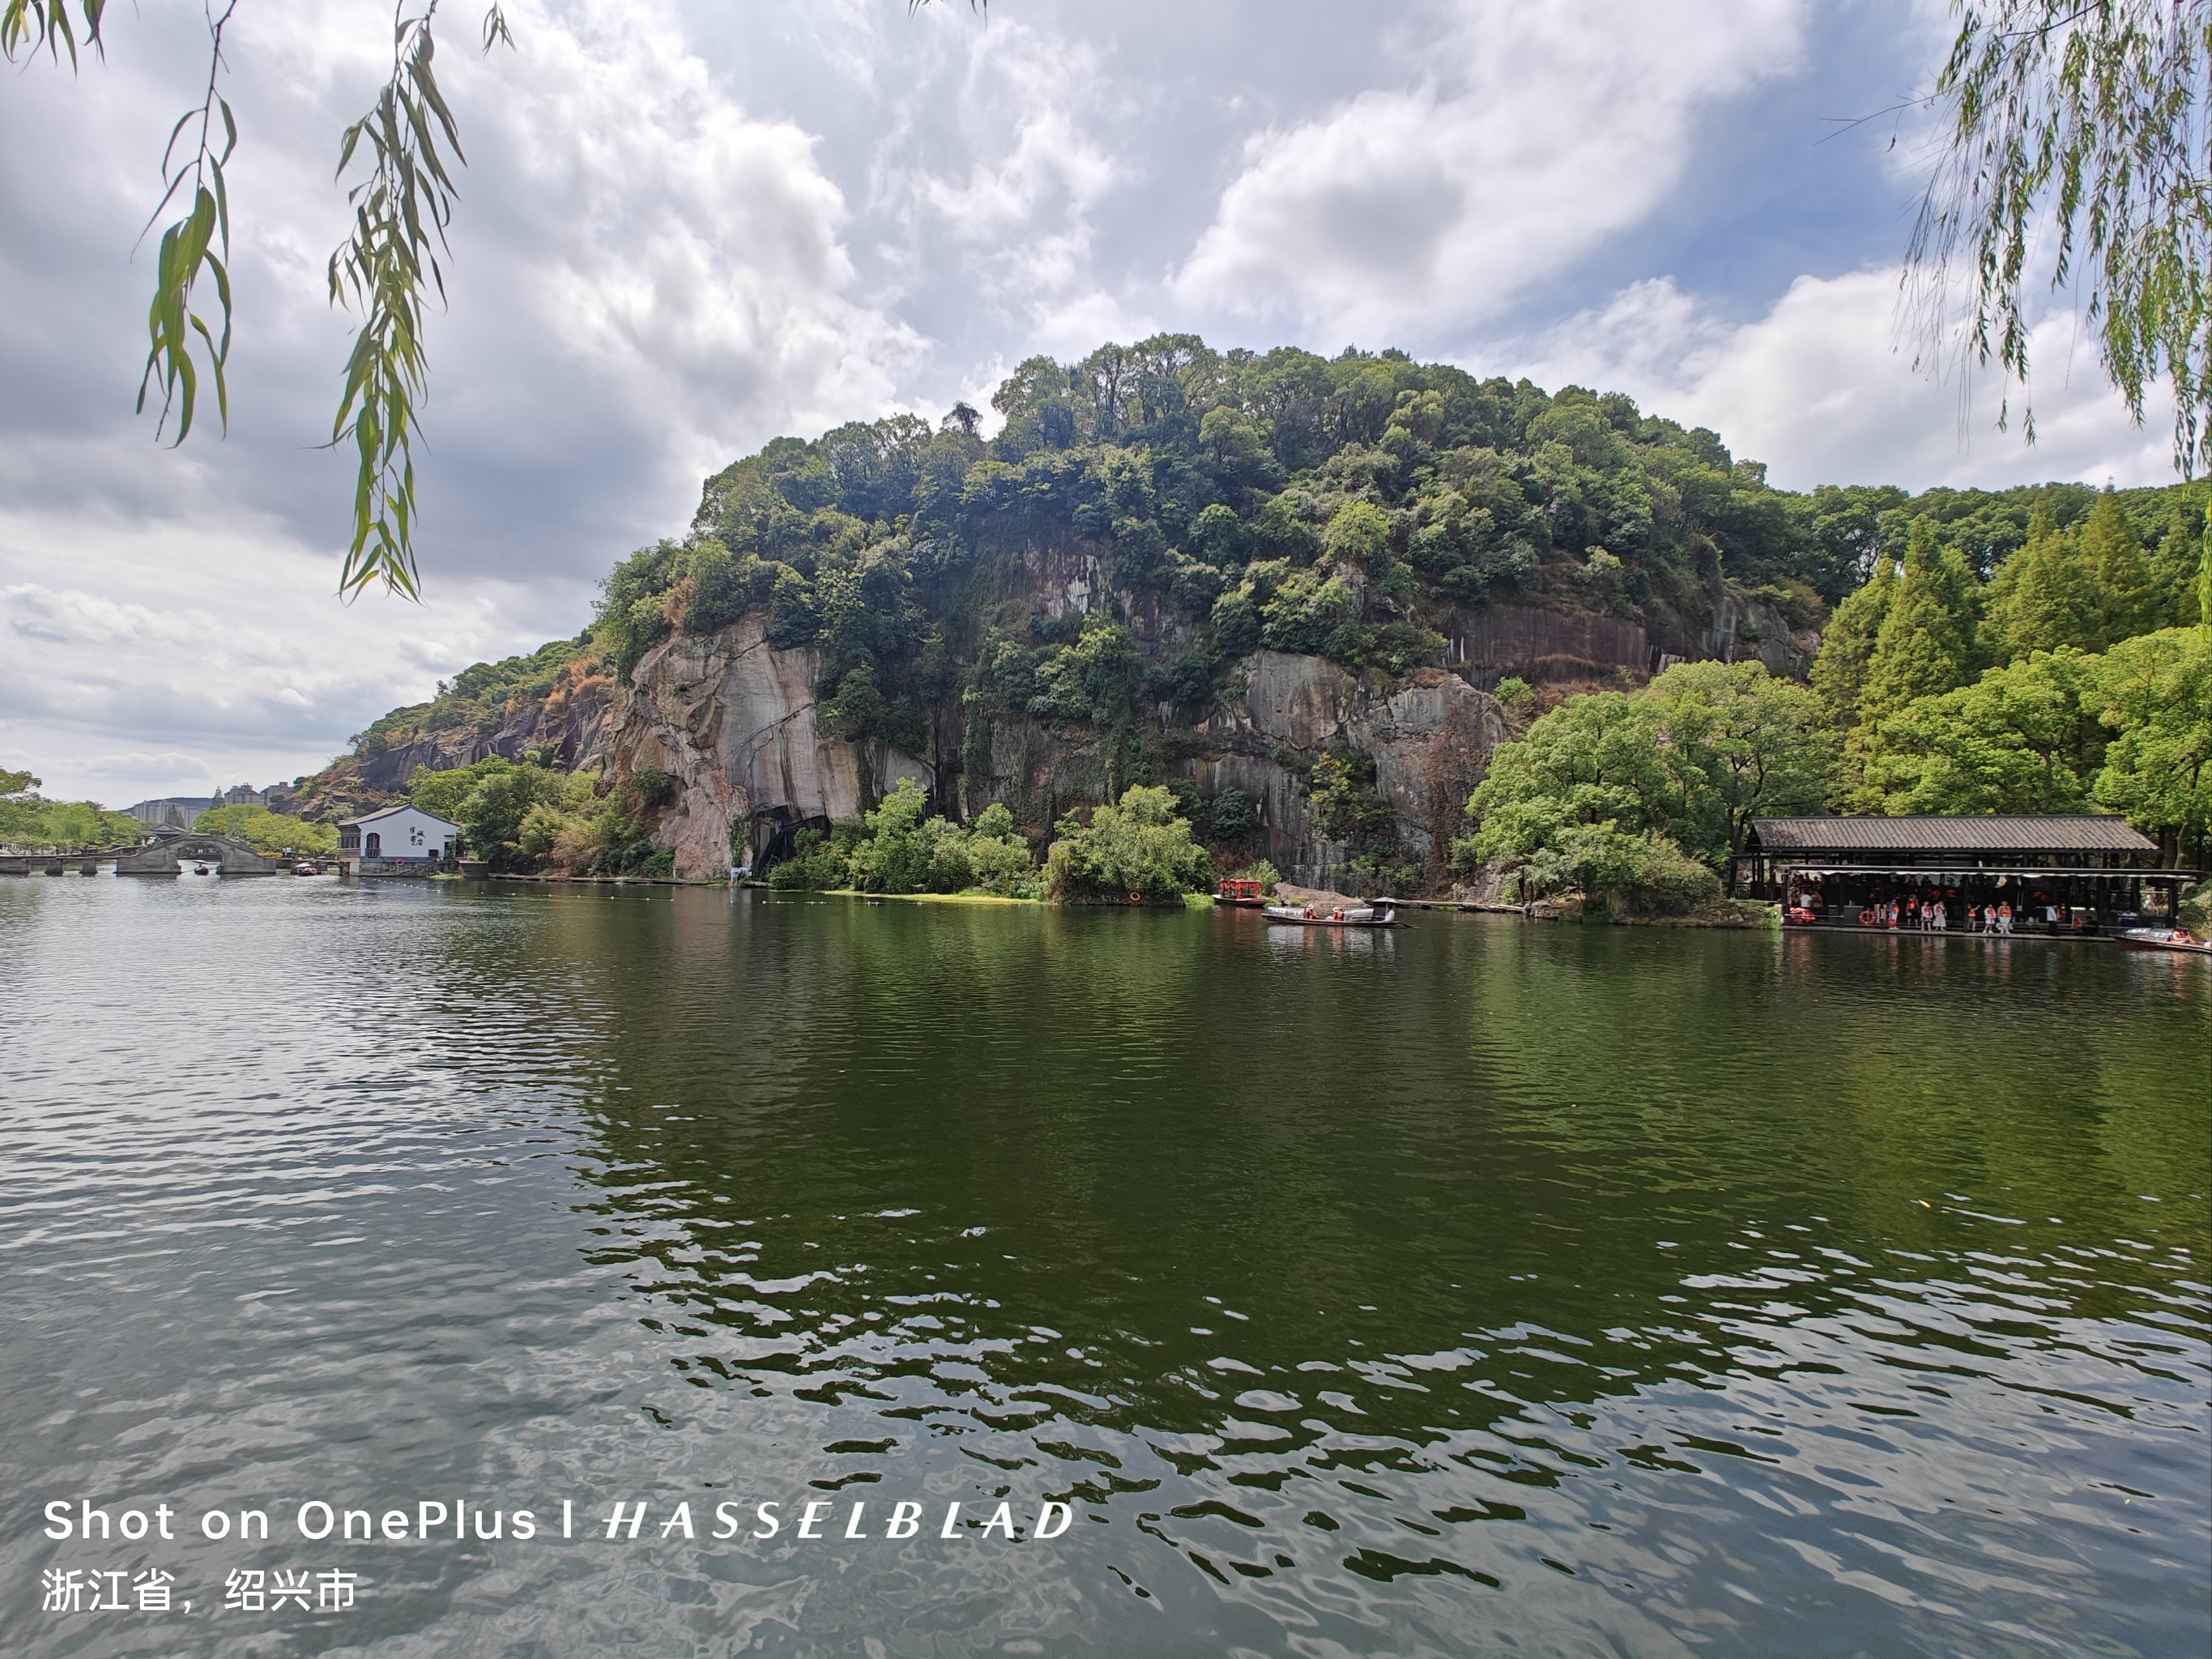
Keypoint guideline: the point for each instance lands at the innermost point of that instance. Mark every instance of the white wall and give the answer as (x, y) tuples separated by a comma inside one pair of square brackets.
[(410, 833)]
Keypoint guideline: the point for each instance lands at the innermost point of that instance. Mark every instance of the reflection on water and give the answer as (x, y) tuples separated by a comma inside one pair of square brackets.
[(1472, 1286)]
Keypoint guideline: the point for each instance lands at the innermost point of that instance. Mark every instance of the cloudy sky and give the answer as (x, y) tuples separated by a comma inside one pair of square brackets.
[(687, 227)]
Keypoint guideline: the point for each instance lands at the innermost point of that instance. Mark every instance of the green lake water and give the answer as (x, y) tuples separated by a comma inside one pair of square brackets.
[(1480, 1287)]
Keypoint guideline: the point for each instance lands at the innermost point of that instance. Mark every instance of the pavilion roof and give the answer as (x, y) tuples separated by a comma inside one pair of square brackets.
[(1995, 832)]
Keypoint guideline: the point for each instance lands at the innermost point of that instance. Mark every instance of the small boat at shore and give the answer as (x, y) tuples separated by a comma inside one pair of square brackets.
[(1239, 893), (2164, 939), (1378, 914)]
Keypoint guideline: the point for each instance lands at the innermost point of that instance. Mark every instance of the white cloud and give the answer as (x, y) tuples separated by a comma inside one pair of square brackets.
[(1526, 135), (687, 228), (646, 280), (689, 256), (1819, 387), (1036, 111), (232, 659), (136, 765)]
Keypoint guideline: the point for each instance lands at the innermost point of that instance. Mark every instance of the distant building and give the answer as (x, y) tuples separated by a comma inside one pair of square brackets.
[(396, 839), (176, 811), (180, 810)]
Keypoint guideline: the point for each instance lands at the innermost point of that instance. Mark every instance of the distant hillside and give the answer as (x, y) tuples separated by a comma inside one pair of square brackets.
[(1158, 534)]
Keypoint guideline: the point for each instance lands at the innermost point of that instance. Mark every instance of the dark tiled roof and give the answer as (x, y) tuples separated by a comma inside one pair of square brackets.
[(1991, 833)]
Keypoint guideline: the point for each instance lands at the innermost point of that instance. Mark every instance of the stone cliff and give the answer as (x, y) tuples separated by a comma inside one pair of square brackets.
[(570, 733), (731, 720)]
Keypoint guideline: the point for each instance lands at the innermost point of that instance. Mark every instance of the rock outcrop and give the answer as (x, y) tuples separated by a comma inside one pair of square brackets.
[(571, 732), (731, 720), (1429, 736)]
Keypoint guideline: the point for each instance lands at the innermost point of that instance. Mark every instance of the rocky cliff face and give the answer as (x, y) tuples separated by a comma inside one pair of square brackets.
[(730, 718), (732, 721), (1429, 734), (571, 731)]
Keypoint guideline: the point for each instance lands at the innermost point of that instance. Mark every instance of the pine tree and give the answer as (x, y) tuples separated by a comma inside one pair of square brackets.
[(2113, 553), (1840, 671), (1926, 643), (2044, 595), (2181, 553)]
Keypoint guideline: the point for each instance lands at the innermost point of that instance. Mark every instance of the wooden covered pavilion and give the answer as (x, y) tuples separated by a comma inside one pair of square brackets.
[(2057, 873)]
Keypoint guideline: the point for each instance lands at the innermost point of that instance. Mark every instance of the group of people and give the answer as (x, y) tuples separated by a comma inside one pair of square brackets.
[(1934, 916), (1936, 905)]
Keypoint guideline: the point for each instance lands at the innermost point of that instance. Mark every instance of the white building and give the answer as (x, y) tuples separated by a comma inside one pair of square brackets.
[(395, 839)]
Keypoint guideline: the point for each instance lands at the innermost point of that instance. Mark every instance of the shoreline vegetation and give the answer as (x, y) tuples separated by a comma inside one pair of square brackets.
[(2032, 650), (1065, 627)]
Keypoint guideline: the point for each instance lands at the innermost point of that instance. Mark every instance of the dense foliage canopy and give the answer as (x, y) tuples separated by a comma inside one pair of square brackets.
[(524, 817), (1360, 508), (1135, 850), (2042, 652), (1633, 797), (899, 848), (269, 832), (30, 823), (1344, 507)]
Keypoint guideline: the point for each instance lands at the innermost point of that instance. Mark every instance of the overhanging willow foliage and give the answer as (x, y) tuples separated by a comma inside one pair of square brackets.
[(2083, 122), (385, 270)]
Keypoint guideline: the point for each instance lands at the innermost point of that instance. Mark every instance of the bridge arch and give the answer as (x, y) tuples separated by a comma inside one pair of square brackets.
[(169, 856)]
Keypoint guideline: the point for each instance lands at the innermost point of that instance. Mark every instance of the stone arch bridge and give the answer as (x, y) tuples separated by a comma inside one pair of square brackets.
[(169, 856)]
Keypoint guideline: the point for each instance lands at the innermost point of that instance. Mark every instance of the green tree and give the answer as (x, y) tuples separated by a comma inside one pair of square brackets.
[(1619, 873), (1359, 534), (266, 831), (1138, 847), (1603, 758), (492, 799), (2154, 693), (2046, 596), (2079, 127), (2113, 553), (30, 823), (895, 857), (1627, 797), (1925, 645), (2023, 738), (1846, 653), (1763, 745), (446, 793), (2181, 558)]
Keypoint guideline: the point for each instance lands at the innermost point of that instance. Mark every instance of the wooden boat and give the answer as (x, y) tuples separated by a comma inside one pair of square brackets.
[(2163, 939), (1243, 895), (1378, 914)]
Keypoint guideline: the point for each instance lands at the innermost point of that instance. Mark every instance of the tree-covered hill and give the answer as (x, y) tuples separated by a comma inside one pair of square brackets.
[(1356, 509)]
